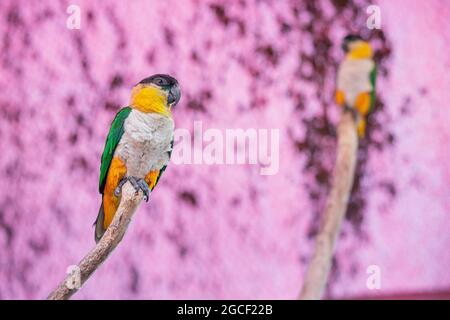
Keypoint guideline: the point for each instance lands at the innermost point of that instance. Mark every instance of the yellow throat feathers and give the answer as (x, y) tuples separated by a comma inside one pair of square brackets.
[(362, 50), (149, 99)]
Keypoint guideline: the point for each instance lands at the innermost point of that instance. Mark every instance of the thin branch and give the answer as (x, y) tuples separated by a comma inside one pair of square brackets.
[(113, 235), (319, 267)]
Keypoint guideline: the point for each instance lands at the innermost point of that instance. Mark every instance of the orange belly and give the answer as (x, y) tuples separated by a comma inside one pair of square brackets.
[(116, 172), (151, 178)]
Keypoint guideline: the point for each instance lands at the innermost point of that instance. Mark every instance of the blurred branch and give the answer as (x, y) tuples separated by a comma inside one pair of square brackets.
[(113, 235), (319, 267)]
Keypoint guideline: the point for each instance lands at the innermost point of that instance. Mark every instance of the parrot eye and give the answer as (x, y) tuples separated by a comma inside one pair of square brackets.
[(161, 82)]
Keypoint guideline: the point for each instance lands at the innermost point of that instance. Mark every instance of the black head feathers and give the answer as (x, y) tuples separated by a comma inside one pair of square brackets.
[(161, 80), (348, 39)]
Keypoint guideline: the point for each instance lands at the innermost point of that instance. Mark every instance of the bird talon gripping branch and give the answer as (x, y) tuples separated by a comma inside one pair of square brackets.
[(140, 184), (356, 80), (133, 152), (118, 189)]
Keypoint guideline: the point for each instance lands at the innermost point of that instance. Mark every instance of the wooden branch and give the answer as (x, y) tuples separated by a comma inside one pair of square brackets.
[(319, 267), (113, 235)]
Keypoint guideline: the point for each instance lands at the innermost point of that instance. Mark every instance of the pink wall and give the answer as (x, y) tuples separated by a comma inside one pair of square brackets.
[(223, 231)]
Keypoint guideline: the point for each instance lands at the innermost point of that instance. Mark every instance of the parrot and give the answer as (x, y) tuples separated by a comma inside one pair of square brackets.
[(356, 77), (138, 146)]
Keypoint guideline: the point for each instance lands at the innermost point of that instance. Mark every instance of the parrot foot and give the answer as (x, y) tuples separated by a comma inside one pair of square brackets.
[(137, 183), (140, 184), (118, 189), (352, 111)]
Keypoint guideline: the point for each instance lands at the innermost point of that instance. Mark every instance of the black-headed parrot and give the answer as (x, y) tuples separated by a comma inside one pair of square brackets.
[(139, 144), (356, 78)]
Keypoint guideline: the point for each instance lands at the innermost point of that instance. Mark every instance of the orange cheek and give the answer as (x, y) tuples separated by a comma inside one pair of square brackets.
[(149, 99)]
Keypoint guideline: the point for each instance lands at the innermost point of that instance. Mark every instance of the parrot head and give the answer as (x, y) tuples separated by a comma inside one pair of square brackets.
[(158, 93), (356, 48)]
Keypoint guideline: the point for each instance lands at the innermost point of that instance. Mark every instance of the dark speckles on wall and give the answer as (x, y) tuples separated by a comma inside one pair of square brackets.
[(44, 15), (83, 57), (335, 274), (90, 16), (11, 171), (195, 57), (188, 197), (39, 246), (71, 100), (80, 163), (80, 120), (423, 91), (221, 15), (116, 81), (13, 16), (236, 201), (176, 237), (52, 137), (226, 20), (10, 112), (169, 36), (285, 27), (199, 101), (134, 280), (183, 251), (405, 108), (119, 30), (7, 229), (111, 105), (389, 187), (150, 56), (269, 53), (340, 4), (73, 138)]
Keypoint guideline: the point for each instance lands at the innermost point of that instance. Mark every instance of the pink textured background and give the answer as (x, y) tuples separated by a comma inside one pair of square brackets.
[(223, 231)]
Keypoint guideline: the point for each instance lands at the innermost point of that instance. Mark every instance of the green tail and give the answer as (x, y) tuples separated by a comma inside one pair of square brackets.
[(99, 230)]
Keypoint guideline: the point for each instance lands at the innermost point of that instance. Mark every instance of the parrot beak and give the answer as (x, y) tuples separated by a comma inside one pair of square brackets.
[(174, 95)]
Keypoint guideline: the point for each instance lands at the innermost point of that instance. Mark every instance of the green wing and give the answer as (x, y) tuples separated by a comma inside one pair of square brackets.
[(164, 168), (114, 135), (373, 79)]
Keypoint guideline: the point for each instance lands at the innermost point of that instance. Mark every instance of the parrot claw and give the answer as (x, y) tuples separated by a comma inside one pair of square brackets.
[(140, 184), (137, 183), (145, 189), (118, 189)]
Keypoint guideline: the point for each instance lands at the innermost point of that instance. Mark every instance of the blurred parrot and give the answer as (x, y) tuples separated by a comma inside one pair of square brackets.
[(139, 144), (356, 80)]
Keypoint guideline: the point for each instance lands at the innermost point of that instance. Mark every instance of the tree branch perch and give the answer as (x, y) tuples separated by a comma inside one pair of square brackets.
[(113, 235), (319, 267)]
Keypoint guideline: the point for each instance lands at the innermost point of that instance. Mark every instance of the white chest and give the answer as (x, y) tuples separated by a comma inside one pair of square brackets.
[(146, 142), (354, 78)]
